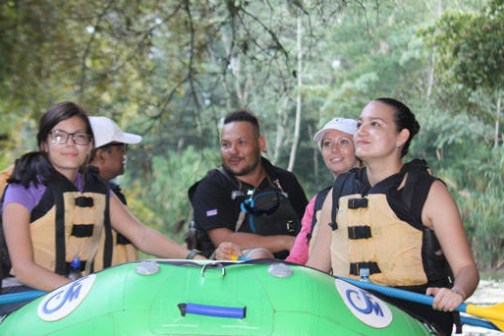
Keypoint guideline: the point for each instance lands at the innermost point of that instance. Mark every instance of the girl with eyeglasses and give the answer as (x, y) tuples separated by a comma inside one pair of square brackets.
[(54, 211)]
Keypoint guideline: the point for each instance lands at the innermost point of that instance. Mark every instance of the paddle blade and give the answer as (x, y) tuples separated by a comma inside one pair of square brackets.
[(494, 314)]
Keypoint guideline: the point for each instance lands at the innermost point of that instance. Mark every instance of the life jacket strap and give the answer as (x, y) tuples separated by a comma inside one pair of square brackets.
[(359, 232), (355, 267)]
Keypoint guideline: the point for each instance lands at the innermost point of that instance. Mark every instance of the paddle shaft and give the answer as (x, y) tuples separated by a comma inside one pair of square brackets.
[(485, 312), (20, 297)]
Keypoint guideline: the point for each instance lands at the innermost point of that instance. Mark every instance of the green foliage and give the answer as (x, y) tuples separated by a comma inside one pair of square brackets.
[(483, 212), (460, 152), (169, 70), (162, 200), (470, 46)]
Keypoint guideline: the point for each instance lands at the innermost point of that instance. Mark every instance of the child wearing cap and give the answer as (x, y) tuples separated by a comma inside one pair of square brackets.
[(109, 159)]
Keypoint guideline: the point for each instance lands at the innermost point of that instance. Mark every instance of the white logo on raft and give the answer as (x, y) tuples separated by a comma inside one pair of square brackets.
[(366, 307), (64, 300)]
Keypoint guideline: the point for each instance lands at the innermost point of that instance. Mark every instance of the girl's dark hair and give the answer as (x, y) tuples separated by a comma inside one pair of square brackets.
[(403, 118), (34, 165)]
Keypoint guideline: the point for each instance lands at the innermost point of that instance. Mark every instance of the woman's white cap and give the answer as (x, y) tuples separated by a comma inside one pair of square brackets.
[(344, 125), (106, 131)]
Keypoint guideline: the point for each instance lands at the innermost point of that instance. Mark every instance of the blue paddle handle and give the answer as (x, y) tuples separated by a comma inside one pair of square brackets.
[(399, 293), (20, 297)]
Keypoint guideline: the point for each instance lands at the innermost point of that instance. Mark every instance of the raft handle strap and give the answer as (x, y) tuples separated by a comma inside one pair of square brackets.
[(216, 265), (217, 311)]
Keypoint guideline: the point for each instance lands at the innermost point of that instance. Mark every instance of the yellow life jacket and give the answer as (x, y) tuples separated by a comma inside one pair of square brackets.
[(380, 229), (375, 238), (67, 223), (123, 250)]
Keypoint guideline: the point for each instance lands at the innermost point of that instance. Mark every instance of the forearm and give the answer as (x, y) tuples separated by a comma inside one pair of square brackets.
[(157, 244), (250, 240), (466, 281), (38, 277)]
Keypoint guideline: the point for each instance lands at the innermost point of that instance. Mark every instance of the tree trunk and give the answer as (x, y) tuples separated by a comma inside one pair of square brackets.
[(297, 127), (497, 119), (281, 120)]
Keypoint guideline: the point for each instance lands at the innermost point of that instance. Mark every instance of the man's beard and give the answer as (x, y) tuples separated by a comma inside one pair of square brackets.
[(245, 170)]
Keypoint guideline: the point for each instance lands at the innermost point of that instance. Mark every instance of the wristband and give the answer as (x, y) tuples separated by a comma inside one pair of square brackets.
[(193, 254)]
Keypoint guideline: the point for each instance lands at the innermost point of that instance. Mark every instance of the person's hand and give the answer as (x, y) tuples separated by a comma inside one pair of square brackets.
[(228, 251), (200, 257), (445, 299)]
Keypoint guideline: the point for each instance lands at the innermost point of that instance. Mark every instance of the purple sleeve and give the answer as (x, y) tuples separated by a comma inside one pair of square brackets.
[(299, 252), (28, 197)]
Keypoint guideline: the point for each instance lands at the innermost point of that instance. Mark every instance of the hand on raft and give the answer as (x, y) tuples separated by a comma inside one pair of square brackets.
[(228, 251)]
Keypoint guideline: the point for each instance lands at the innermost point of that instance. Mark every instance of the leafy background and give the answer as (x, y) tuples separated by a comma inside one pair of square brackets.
[(170, 70)]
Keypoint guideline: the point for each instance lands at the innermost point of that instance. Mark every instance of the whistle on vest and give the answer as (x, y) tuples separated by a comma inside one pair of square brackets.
[(356, 203)]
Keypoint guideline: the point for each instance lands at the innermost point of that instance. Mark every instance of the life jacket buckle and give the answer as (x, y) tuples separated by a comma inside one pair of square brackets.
[(333, 225), (356, 203)]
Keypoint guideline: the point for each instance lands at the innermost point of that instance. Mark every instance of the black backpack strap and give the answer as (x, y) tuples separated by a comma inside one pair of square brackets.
[(233, 180), (107, 254), (417, 171), (195, 237), (319, 202), (223, 172), (239, 186), (60, 246), (337, 190), (101, 185)]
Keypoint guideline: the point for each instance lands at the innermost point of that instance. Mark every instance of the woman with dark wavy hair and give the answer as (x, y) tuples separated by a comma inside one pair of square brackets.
[(395, 221)]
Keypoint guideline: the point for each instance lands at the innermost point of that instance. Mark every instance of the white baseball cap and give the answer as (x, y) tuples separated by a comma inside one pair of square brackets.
[(344, 125), (105, 131)]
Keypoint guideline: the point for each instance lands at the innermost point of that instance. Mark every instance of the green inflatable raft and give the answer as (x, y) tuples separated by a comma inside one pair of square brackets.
[(167, 297)]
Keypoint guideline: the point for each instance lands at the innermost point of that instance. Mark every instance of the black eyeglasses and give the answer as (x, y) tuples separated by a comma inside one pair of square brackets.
[(61, 137), (122, 146)]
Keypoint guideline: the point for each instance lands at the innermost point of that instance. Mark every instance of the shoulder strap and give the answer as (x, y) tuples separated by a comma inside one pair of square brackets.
[(412, 189), (233, 180), (97, 183), (223, 172), (237, 184), (337, 190), (58, 187), (319, 202)]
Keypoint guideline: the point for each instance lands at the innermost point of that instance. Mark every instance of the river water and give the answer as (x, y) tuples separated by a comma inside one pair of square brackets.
[(489, 292)]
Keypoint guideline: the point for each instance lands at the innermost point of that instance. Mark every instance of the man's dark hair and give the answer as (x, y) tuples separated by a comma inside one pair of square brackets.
[(243, 115), (403, 118)]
